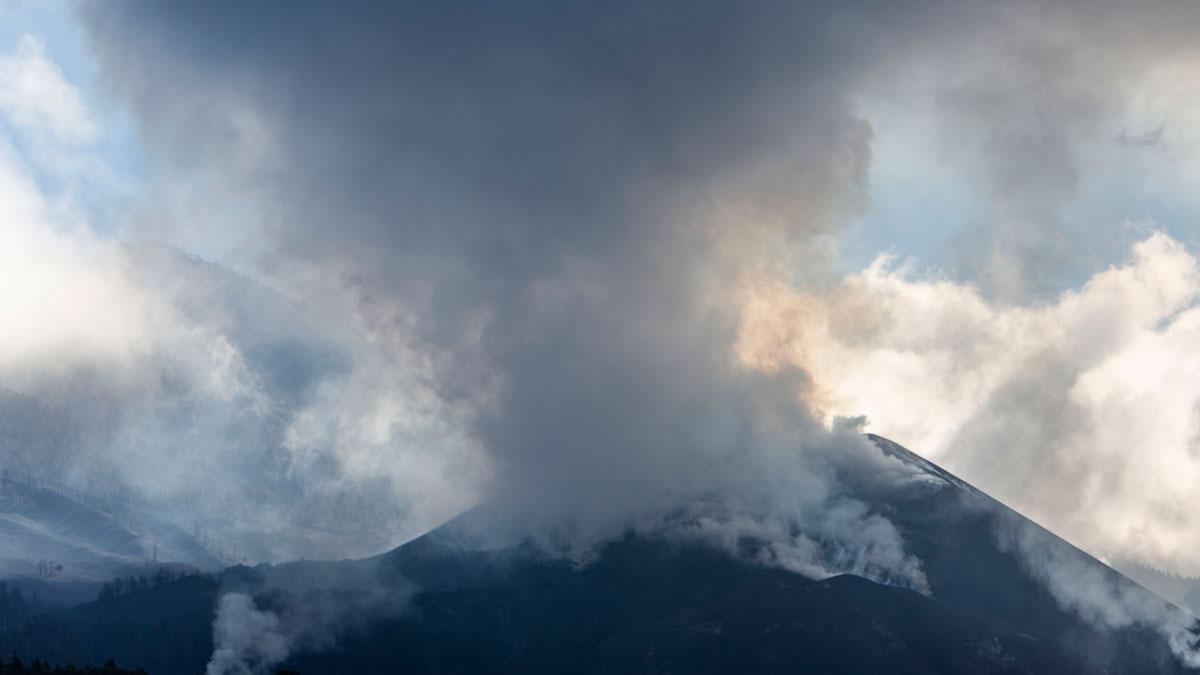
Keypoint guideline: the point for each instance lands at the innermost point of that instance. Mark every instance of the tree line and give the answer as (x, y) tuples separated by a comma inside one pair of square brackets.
[(120, 587), (16, 665), (15, 606)]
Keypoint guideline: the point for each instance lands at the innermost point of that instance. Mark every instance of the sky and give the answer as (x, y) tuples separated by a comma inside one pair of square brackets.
[(322, 278)]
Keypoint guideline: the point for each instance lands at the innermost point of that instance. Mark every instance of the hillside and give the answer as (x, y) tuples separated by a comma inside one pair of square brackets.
[(446, 602), (91, 538)]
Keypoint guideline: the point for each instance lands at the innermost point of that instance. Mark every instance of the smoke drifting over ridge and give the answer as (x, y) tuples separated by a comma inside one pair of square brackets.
[(547, 207)]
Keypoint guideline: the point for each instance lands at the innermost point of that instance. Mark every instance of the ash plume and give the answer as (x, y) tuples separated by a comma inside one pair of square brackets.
[(543, 223)]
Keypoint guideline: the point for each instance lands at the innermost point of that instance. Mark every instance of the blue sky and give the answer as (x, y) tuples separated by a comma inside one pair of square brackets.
[(54, 25)]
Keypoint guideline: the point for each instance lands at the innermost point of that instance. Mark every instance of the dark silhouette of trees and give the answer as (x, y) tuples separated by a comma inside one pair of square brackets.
[(120, 587), (162, 576), (48, 569), (40, 666), (13, 607)]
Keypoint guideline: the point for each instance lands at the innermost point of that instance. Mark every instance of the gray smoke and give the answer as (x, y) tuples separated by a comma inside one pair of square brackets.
[(1096, 593), (267, 612), (545, 217), (247, 640)]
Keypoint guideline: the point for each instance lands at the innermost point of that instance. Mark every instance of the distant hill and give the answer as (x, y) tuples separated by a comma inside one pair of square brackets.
[(163, 629), (84, 538), (1179, 589)]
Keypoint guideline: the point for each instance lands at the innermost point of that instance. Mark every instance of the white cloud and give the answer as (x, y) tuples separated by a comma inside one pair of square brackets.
[(168, 370), (62, 293), (38, 99), (1082, 412)]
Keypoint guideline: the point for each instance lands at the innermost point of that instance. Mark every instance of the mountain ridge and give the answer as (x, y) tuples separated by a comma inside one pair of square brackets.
[(445, 603)]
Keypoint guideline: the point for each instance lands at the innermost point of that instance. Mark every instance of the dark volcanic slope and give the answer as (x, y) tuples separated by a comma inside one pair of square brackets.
[(956, 531), (645, 607), (649, 606)]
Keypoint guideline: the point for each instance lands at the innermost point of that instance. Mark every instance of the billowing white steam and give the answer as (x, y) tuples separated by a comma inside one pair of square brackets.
[(247, 640), (1094, 389)]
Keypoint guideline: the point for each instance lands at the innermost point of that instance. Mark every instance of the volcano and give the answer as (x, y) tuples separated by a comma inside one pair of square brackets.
[(648, 605)]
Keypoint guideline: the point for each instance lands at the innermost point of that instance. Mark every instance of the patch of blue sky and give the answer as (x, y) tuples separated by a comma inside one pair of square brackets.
[(913, 215), (54, 25), (917, 206), (922, 207), (1147, 189), (1129, 194)]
